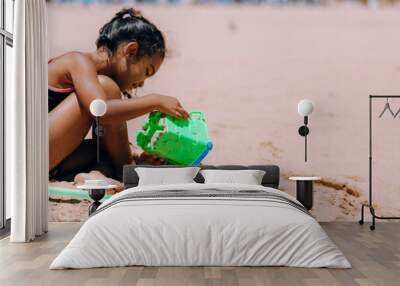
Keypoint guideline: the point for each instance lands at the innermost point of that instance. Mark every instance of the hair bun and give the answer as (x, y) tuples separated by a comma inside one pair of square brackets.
[(128, 13), (130, 25)]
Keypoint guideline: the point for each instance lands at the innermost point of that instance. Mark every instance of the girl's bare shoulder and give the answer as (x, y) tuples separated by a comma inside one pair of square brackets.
[(72, 62), (110, 86), (82, 64), (79, 60)]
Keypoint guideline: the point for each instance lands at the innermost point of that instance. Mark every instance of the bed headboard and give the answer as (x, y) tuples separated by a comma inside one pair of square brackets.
[(270, 179)]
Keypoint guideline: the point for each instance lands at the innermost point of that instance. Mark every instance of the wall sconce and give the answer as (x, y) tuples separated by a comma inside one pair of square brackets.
[(98, 108), (305, 108)]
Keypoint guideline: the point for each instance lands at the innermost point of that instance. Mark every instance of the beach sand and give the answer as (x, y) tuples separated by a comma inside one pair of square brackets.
[(247, 67)]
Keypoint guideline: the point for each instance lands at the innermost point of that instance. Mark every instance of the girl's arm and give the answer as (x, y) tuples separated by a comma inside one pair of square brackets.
[(88, 88), (119, 110)]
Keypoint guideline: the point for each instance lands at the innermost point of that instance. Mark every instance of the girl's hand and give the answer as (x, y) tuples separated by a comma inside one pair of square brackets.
[(145, 158), (140, 157), (170, 105)]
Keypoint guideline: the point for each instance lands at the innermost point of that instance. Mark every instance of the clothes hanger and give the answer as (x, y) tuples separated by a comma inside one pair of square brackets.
[(397, 113), (387, 107)]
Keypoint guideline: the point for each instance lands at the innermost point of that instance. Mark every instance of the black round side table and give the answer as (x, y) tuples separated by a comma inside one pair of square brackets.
[(304, 190), (96, 192), (96, 195)]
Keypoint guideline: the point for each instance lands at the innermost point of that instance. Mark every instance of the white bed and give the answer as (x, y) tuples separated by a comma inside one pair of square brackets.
[(184, 230)]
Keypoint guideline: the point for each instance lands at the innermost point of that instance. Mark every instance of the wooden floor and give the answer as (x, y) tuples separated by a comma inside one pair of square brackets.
[(375, 257)]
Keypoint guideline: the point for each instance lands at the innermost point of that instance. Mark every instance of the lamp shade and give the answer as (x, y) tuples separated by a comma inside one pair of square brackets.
[(305, 107), (98, 107)]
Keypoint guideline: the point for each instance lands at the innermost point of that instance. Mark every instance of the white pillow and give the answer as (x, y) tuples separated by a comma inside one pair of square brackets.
[(162, 176), (249, 177)]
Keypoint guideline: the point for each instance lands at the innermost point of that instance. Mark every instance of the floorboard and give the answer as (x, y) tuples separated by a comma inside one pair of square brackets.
[(375, 257)]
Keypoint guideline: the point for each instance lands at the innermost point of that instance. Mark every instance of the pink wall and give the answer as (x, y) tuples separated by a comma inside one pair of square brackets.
[(247, 67)]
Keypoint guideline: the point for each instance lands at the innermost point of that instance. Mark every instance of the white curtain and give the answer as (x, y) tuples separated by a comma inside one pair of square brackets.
[(26, 123)]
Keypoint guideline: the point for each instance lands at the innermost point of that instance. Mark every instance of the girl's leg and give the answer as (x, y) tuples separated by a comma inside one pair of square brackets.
[(69, 124), (115, 140), (83, 160), (116, 144)]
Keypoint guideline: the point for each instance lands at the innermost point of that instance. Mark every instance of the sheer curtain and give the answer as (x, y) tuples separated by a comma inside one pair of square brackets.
[(26, 124)]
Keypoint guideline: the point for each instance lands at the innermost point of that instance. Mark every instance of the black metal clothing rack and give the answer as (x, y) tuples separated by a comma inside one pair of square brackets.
[(369, 204)]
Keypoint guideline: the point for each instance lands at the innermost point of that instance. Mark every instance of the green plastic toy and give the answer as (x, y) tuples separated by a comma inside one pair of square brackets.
[(178, 141)]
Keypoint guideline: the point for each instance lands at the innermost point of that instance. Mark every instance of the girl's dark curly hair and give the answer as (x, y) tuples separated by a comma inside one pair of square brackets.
[(130, 25)]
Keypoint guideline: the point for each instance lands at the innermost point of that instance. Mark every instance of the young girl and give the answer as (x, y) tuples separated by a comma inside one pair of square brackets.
[(130, 49)]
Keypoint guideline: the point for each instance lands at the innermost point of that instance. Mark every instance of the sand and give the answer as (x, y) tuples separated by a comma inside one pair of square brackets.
[(247, 67)]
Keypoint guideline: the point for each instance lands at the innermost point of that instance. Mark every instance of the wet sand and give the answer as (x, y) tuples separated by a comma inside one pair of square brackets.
[(247, 67)]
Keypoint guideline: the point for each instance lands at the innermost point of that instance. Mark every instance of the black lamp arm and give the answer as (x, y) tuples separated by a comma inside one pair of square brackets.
[(99, 132), (303, 131)]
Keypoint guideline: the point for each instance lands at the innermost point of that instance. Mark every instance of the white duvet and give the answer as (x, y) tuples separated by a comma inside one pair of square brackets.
[(200, 231)]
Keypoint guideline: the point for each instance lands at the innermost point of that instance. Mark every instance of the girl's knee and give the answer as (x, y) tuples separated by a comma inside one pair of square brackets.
[(110, 86)]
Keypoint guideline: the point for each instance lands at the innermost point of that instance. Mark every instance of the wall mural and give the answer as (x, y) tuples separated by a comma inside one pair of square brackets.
[(247, 68)]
